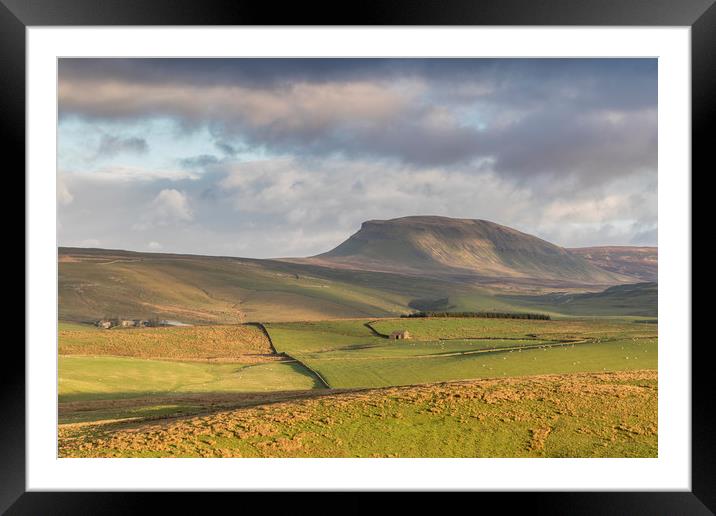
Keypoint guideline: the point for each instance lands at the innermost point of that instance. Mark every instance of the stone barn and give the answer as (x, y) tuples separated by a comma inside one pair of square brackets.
[(400, 335)]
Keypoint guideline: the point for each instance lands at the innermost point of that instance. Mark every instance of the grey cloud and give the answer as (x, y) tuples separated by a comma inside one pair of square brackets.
[(612, 82), (533, 116), (110, 145), (227, 149), (299, 207), (647, 236), (593, 145), (201, 161)]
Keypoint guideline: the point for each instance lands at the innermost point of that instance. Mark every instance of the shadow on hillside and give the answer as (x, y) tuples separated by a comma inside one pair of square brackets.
[(135, 409)]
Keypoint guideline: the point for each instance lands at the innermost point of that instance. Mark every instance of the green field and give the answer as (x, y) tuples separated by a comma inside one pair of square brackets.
[(520, 388), (559, 329), (347, 355), (85, 378), (240, 343), (581, 415), (108, 364)]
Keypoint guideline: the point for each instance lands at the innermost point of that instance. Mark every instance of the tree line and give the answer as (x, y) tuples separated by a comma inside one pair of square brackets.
[(486, 315)]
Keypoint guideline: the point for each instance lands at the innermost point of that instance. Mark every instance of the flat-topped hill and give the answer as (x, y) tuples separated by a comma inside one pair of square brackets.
[(442, 245)]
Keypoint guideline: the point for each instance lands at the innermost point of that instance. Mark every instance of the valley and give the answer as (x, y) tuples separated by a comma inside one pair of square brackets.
[(299, 356)]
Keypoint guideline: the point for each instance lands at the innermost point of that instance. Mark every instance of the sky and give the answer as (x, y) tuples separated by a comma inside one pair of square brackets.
[(286, 157)]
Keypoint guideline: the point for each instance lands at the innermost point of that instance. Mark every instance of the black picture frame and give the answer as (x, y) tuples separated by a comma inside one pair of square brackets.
[(17, 15)]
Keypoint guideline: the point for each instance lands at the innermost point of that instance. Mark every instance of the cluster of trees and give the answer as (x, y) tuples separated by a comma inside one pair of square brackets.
[(488, 315), (427, 305)]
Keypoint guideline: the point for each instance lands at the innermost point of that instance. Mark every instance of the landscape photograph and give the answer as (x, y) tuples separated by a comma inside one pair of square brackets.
[(357, 257)]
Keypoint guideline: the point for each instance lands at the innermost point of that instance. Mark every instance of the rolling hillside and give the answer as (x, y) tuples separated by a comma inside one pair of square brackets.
[(388, 268), (457, 247), (575, 415), (639, 262), (96, 283), (639, 299)]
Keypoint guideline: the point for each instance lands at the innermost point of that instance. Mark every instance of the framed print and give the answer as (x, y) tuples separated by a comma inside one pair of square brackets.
[(424, 252)]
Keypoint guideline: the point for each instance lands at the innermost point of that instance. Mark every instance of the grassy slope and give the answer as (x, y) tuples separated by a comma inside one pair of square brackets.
[(117, 363), (84, 378), (377, 371), (204, 289), (639, 299), (583, 415), (102, 283), (347, 355), (560, 329), (242, 343), (638, 262)]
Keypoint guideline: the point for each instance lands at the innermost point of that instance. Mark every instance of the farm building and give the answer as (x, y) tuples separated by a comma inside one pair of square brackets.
[(400, 334), (127, 323)]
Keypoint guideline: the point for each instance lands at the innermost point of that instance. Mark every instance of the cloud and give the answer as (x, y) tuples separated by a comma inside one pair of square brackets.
[(590, 82), (227, 149), (125, 174), (89, 242), (645, 235), (591, 145), (296, 107), (266, 157), (64, 197), (299, 207), (172, 204), (340, 194), (583, 117), (358, 119), (204, 160), (169, 207), (112, 145), (335, 196)]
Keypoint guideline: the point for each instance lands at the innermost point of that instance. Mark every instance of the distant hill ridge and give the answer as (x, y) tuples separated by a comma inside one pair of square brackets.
[(443, 245)]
